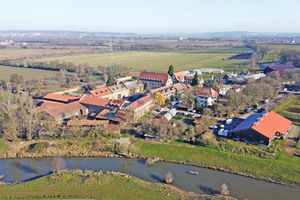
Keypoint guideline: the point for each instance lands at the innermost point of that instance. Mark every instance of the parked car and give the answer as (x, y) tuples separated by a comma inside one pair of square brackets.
[(216, 115), (194, 111), (188, 109), (161, 109), (247, 110)]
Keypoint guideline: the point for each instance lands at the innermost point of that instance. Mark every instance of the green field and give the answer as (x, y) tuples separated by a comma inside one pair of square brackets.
[(278, 48), (282, 168), (291, 110), (156, 61), (91, 185), (27, 73), (269, 57)]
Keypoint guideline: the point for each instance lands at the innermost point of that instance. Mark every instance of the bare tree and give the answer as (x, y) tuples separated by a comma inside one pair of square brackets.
[(58, 164), (224, 189), (169, 177)]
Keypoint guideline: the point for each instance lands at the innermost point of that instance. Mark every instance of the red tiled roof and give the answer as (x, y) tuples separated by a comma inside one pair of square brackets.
[(207, 92), (86, 122), (117, 88), (117, 117), (162, 88), (46, 105), (179, 86), (59, 97), (271, 124), (100, 92), (179, 75), (66, 109), (94, 101), (116, 103), (154, 76), (141, 101)]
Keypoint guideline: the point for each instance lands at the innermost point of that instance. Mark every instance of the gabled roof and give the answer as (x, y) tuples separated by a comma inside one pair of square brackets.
[(141, 101), (62, 98), (237, 86), (161, 88), (282, 68), (116, 103), (117, 88), (107, 115), (266, 124), (66, 109), (155, 76), (94, 101), (85, 122), (271, 124), (100, 92), (207, 92), (180, 86), (179, 75)]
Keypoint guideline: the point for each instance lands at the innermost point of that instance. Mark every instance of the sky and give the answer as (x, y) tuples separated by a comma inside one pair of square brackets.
[(151, 16)]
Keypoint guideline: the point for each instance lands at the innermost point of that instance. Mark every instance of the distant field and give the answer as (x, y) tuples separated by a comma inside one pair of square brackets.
[(269, 57), (156, 61), (278, 48), (11, 53), (291, 110), (27, 73)]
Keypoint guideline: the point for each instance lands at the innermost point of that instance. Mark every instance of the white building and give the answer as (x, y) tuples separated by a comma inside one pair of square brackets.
[(206, 96)]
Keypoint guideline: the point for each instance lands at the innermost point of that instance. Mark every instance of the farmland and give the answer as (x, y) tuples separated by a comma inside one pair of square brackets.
[(12, 53), (156, 61), (272, 55), (291, 110), (27, 73)]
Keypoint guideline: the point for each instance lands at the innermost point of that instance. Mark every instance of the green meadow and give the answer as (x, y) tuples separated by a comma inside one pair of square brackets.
[(156, 61), (27, 73)]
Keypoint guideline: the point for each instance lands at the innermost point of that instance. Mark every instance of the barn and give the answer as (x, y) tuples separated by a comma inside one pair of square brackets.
[(262, 128)]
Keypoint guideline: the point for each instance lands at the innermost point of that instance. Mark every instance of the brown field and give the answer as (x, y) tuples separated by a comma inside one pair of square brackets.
[(12, 53)]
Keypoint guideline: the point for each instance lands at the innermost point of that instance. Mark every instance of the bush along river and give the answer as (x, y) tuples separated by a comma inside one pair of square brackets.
[(200, 181)]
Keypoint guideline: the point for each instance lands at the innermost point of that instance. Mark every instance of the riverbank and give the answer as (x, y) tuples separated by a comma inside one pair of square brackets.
[(283, 168), (96, 185)]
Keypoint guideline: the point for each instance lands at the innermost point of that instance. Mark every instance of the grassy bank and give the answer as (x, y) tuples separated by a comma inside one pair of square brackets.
[(276, 166), (3, 147), (282, 168), (91, 185)]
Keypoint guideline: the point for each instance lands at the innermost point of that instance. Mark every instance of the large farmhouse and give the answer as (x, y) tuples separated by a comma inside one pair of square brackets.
[(206, 96), (279, 68), (262, 128), (153, 80)]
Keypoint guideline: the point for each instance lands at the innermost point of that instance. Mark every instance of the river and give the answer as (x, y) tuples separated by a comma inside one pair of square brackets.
[(207, 181)]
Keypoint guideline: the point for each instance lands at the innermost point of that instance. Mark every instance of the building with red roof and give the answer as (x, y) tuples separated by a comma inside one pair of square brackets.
[(142, 105), (86, 122), (66, 111), (94, 104), (61, 98), (262, 128), (153, 80), (206, 96), (100, 92), (178, 77)]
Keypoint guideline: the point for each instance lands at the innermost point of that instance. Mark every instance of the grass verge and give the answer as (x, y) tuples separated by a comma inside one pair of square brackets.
[(92, 185), (282, 168), (3, 147)]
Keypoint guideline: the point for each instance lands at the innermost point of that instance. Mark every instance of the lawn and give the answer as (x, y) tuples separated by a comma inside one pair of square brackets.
[(90, 185), (27, 73), (156, 61), (3, 146), (281, 168)]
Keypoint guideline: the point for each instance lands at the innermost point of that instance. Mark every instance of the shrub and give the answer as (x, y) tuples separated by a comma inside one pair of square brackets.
[(224, 189), (38, 147), (169, 177)]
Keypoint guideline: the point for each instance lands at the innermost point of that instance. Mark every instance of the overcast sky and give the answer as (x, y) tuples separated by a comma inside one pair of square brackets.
[(151, 16)]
